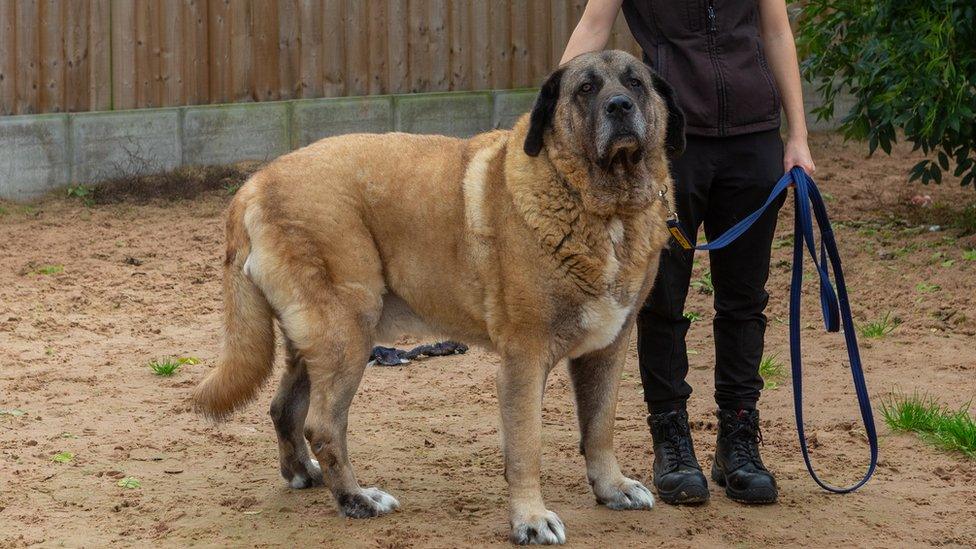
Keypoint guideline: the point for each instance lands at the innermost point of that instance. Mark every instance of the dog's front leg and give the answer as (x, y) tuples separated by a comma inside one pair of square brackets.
[(596, 378), (520, 386)]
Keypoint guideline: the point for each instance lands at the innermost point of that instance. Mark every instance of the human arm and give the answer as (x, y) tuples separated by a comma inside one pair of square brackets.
[(593, 30), (777, 37)]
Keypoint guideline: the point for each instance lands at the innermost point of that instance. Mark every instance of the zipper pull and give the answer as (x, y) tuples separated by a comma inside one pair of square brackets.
[(711, 18)]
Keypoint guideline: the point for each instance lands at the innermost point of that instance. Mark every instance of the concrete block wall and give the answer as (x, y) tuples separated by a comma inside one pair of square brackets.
[(40, 153)]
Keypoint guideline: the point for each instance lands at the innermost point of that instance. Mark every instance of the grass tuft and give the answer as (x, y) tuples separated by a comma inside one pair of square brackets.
[(168, 367), (693, 316), (952, 430), (772, 371), (877, 329), (704, 284), (63, 457), (165, 367)]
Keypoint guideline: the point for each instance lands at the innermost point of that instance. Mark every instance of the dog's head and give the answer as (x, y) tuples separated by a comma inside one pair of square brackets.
[(610, 110)]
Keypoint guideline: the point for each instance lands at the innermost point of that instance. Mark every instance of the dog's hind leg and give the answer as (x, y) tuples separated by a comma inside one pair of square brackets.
[(288, 411), (596, 379)]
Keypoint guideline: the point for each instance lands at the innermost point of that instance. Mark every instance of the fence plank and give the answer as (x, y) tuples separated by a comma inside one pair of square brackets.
[(220, 70), (170, 80), (460, 45), (355, 24), (439, 45), (8, 58), (310, 37), (196, 52), (398, 51), (241, 39), (379, 51), (481, 61), (51, 39), (500, 45), (264, 50), (77, 63), (289, 49), (521, 61), (334, 53), (540, 56), (28, 57)]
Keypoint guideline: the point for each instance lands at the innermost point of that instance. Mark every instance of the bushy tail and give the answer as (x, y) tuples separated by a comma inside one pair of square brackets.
[(248, 352)]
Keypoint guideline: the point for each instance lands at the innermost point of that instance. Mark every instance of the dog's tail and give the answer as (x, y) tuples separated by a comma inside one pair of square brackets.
[(248, 348)]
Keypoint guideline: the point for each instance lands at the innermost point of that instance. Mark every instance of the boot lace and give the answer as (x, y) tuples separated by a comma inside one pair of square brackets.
[(744, 439), (678, 448)]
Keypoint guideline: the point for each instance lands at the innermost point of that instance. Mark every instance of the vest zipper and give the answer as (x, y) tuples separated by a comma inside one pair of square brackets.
[(719, 79)]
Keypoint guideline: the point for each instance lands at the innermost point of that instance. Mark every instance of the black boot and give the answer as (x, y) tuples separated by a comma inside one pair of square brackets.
[(737, 464), (677, 475)]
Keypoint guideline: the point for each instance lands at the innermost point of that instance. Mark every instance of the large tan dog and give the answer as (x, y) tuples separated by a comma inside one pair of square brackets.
[(540, 243)]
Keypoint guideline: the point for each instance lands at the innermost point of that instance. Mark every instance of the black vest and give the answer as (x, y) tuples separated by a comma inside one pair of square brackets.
[(711, 53)]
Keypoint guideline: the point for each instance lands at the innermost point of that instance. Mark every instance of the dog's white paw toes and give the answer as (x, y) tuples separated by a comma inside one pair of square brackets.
[(542, 529), (625, 495), (367, 502), (307, 476)]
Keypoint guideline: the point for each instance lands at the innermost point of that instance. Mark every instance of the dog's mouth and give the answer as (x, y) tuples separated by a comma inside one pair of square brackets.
[(625, 150)]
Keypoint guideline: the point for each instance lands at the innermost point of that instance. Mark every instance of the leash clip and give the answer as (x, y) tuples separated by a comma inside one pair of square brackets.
[(674, 224)]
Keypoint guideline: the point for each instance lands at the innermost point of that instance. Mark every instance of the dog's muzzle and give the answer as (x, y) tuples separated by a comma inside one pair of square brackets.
[(620, 136)]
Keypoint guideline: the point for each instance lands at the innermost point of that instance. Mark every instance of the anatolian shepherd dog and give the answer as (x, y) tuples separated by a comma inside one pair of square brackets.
[(540, 243)]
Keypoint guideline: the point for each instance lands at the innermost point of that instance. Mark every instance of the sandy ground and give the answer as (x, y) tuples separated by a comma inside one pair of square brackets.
[(141, 282)]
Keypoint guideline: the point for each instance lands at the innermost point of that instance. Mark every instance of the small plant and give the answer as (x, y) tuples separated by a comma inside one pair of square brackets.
[(693, 316), (231, 188), (12, 412), (969, 255), (772, 371), (168, 366), (165, 367), (63, 457), (130, 483), (82, 192), (877, 329), (927, 287), (785, 242), (953, 430), (704, 284), (48, 270)]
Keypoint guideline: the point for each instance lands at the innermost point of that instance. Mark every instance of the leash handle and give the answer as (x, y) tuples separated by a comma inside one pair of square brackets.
[(834, 303)]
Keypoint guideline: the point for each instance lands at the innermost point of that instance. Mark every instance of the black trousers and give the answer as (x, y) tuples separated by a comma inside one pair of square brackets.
[(718, 181)]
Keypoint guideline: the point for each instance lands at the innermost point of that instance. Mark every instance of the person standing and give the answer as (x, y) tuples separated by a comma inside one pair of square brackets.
[(733, 66)]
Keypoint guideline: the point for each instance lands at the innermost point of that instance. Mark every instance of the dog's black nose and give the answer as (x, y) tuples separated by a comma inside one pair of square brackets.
[(619, 105)]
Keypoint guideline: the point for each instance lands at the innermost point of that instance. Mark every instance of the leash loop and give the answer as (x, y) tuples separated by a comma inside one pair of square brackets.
[(834, 302)]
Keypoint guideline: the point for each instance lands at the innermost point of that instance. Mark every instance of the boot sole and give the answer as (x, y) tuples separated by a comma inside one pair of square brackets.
[(684, 495), (751, 497)]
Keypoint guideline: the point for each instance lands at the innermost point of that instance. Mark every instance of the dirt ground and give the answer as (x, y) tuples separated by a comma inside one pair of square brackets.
[(140, 282)]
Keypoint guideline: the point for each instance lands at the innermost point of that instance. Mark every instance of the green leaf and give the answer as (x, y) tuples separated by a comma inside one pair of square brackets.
[(12, 412), (63, 457), (130, 483)]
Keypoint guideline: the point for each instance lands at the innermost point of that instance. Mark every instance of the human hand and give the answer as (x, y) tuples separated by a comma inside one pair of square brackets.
[(797, 153)]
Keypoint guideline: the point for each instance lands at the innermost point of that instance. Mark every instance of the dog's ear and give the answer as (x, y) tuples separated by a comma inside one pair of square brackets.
[(674, 140), (542, 112)]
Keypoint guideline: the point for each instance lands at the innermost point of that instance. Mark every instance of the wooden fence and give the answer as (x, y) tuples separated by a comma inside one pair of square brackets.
[(80, 55)]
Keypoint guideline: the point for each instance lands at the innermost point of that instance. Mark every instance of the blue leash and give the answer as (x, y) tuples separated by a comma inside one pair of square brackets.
[(834, 303)]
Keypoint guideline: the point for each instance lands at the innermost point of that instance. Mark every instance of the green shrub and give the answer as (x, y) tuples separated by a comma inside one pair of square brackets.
[(911, 66)]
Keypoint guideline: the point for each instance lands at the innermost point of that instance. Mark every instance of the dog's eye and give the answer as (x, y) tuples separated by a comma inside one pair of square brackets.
[(586, 88), (635, 83)]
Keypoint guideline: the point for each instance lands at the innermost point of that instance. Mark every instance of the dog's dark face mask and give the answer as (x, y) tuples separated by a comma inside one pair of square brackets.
[(611, 110)]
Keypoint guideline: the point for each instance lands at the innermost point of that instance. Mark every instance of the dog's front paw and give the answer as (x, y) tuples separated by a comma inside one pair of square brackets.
[(538, 529), (306, 476), (366, 503), (624, 494)]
